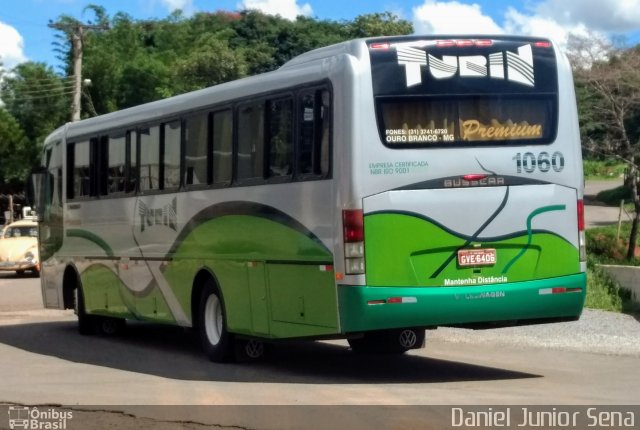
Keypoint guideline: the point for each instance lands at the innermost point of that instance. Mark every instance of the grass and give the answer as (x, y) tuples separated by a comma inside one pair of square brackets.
[(608, 169), (603, 247), (603, 292)]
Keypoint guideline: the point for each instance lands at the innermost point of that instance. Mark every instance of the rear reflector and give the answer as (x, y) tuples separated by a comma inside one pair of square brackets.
[(393, 300), (558, 290)]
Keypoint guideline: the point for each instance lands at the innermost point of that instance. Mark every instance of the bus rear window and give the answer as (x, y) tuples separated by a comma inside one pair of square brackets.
[(469, 120)]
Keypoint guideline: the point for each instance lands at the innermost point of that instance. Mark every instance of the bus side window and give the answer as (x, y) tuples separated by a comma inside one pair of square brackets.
[(54, 165), (280, 137), (196, 136), (78, 180), (250, 155), (149, 158), (117, 163), (324, 144), (314, 139), (99, 165), (131, 172), (222, 147), (171, 155)]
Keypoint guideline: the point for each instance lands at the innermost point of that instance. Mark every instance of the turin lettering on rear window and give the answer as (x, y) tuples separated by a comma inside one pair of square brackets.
[(512, 66)]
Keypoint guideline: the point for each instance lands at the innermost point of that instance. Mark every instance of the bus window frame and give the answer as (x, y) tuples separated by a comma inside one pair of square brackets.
[(133, 167)]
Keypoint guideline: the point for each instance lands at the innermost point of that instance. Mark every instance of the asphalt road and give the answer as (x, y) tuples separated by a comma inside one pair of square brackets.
[(44, 361)]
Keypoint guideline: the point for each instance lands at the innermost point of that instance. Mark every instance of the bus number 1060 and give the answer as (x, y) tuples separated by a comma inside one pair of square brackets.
[(543, 162)]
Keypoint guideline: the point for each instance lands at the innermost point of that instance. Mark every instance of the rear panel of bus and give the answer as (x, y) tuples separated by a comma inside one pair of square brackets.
[(470, 187)]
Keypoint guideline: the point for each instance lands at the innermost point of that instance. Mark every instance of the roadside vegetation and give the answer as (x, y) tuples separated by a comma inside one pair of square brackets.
[(607, 169), (603, 247)]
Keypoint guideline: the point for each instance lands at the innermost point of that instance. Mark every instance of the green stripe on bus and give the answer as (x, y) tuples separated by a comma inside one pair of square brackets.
[(84, 234)]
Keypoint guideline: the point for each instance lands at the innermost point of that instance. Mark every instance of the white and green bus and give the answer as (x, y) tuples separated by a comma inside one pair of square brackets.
[(368, 190)]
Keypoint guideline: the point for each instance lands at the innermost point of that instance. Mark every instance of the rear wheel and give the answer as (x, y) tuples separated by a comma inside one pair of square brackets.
[(87, 324), (216, 341)]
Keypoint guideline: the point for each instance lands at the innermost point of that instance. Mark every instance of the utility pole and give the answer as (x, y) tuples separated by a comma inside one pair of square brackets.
[(76, 31), (77, 72)]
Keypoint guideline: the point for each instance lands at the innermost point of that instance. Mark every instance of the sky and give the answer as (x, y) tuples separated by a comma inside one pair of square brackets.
[(25, 36)]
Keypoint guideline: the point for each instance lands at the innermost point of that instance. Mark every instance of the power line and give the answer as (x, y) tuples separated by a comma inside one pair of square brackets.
[(26, 94), (40, 88), (29, 80), (40, 97)]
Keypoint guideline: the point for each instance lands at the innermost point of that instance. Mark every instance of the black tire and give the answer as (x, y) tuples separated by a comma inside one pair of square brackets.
[(87, 324), (216, 341), (397, 341)]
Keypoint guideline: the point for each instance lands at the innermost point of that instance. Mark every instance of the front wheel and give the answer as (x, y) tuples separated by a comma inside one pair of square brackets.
[(216, 341)]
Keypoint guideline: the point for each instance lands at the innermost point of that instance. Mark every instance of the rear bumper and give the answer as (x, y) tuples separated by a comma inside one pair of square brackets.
[(364, 308), (17, 266)]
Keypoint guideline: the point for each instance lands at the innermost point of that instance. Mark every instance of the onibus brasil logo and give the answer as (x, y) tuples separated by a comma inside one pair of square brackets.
[(23, 417)]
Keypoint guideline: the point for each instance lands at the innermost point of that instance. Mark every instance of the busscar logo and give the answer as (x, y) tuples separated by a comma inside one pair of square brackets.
[(23, 417), (506, 65), (483, 182)]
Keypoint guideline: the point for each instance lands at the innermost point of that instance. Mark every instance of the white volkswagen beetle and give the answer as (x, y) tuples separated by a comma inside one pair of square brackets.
[(19, 247)]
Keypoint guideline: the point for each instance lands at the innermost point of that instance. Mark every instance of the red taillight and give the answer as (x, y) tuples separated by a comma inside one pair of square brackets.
[(474, 177), (379, 46), (353, 232), (484, 42), (542, 44), (352, 225), (580, 215), (464, 43), (582, 241), (445, 43)]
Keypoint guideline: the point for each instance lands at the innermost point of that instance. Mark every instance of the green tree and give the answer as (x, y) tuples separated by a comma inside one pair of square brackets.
[(15, 152), (140, 61), (37, 101), (614, 78), (37, 98), (378, 24)]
